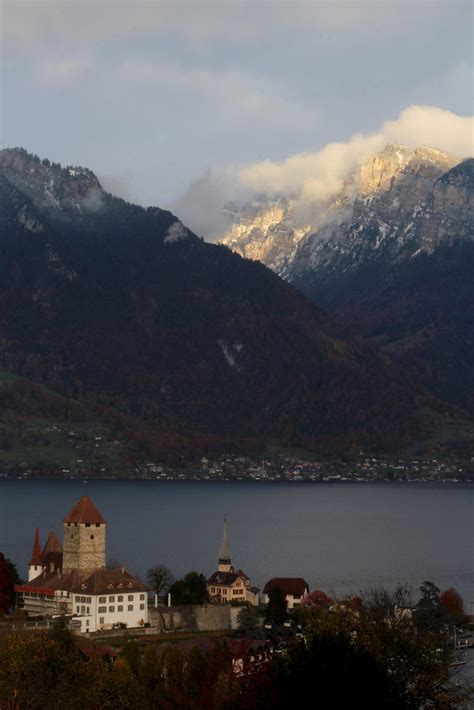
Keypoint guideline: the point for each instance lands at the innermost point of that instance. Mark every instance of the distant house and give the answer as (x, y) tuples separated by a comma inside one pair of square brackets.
[(227, 585), (294, 589)]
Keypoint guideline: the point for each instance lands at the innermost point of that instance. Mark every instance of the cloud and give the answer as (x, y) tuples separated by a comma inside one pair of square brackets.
[(31, 21), (238, 95), (63, 70), (310, 178)]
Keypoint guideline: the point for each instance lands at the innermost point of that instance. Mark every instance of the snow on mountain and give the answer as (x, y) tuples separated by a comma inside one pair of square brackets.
[(396, 204)]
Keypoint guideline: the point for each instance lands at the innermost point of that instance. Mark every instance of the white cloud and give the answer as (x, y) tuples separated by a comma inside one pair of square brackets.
[(313, 177)]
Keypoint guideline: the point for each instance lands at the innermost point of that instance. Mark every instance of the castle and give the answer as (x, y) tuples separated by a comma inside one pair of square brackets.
[(72, 579)]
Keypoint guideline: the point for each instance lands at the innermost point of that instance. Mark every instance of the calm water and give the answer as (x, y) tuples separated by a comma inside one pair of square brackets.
[(340, 537)]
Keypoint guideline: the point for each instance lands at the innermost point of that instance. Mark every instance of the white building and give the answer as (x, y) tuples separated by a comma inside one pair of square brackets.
[(108, 597), (72, 579)]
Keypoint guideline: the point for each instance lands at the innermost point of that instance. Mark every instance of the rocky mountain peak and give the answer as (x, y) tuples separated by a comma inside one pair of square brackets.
[(51, 186)]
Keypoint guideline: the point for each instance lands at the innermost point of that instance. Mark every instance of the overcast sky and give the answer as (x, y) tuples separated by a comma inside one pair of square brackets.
[(154, 95)]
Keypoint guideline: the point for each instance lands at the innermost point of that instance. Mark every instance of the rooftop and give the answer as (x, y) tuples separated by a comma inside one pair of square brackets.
[(85, 512)]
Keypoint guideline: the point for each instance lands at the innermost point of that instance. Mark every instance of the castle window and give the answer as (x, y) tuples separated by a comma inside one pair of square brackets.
[(89, 600), (142, 606), (130, 597), (102, 600), (92, 537), (97, 525), (78, 609), (75, 525), (111, 599), (88, 610), (101, 620), (142, 596), (130, 607), (111, 609), (120, 608), (102, 610), (120, 599), (88, 525)]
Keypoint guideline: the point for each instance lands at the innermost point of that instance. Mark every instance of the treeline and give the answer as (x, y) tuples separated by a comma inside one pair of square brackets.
[(362, 652)]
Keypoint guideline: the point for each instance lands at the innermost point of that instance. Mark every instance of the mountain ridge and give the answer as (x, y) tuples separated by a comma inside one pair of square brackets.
[(178, 340)]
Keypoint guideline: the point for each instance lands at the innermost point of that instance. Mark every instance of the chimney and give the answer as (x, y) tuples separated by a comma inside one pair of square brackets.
[(122, 569)]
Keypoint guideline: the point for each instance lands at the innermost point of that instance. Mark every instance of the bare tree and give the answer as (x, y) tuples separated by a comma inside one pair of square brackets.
[(160, 578)]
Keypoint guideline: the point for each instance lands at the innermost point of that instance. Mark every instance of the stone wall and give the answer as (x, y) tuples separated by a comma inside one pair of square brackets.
[(208, 617), (83, 546)]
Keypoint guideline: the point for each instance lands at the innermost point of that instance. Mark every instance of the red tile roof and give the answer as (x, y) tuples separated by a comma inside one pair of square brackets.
[(52, 544), (84, 512), (104, 581), (36, 554), (294, 586), (48, 583)]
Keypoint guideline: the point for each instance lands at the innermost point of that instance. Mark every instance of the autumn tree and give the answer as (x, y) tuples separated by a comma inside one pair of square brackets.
[(317, 598), (160, 578), (452, 602)]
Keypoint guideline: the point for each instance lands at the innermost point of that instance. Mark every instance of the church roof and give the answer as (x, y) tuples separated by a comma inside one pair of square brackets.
[(227, 578), (36, 554), (84, 512), (224, 554)]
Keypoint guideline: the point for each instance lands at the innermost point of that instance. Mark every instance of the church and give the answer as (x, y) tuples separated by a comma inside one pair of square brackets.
[(227, 585), (72, 579)]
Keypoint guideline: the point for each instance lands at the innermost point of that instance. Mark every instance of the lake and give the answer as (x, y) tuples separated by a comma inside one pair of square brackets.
[(342, 537)]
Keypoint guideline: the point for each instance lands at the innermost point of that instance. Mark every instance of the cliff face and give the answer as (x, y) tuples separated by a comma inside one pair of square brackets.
[(394, 257), (396, 203)]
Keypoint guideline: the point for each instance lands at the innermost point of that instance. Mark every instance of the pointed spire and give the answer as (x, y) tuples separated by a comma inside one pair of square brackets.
[(36, 554), (224, 554), (52, 544)]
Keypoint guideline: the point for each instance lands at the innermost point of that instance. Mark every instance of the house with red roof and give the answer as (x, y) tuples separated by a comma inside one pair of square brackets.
[(294, 590)]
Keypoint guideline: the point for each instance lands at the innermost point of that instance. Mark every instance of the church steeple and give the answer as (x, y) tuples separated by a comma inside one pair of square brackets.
[(224, 564)]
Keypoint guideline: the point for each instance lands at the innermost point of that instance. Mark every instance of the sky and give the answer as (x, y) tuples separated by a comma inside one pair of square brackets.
[(188, 104)]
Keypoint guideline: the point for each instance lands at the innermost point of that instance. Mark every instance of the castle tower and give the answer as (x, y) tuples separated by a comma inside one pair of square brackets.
[(223, 564), (84, 537), (35, 566)]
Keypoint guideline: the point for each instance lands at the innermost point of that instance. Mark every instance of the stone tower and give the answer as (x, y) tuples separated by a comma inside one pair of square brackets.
[(223, 564), (84, 537)]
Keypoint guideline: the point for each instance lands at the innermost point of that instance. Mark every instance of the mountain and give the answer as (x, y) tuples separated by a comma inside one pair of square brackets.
[(183, 347), (393, 254)]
